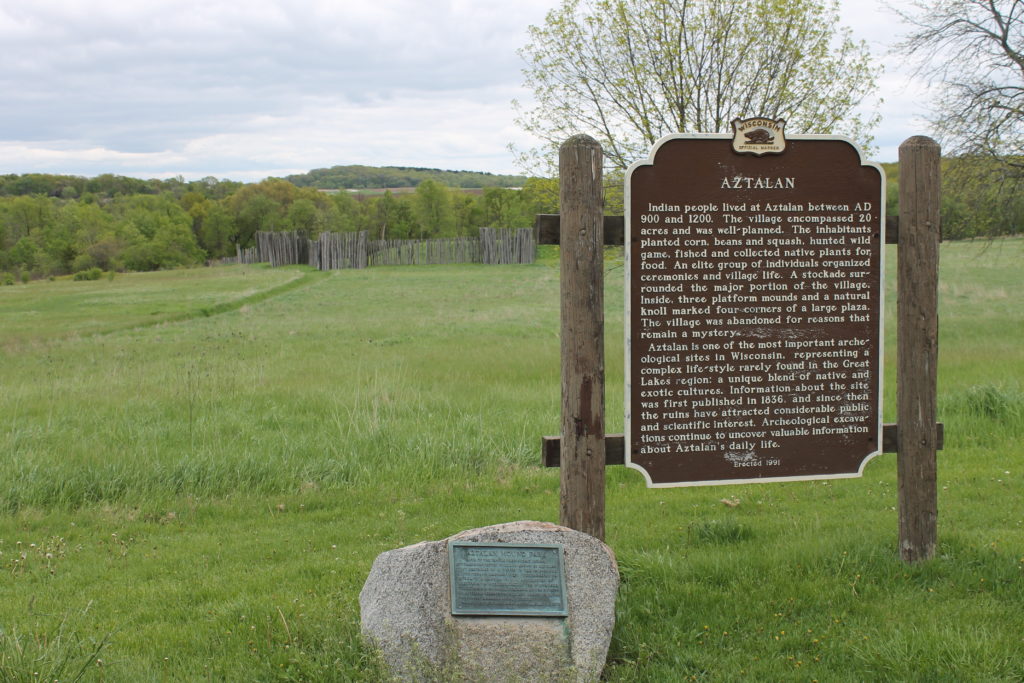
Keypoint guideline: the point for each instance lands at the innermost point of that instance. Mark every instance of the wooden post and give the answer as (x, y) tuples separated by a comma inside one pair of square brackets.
[(917, 346), (582, 262)]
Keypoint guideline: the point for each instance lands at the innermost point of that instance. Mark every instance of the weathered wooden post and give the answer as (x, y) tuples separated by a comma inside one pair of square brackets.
[(582, 260), (917, 346)]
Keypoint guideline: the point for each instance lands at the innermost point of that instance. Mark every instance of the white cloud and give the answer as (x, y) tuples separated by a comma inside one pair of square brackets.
[(269, 87), (226, 85)]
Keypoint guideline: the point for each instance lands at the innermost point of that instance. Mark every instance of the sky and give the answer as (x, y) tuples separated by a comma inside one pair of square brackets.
[(244, 90)]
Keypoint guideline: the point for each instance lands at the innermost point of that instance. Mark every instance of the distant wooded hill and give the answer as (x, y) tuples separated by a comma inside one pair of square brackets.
[(361, 177)]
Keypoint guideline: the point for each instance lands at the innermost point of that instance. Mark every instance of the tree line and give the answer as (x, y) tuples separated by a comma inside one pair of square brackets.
[(58, 225), (362, 177), (969, 208)]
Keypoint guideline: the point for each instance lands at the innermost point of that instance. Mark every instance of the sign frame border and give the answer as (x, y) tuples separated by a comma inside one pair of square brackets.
[(627, 328)]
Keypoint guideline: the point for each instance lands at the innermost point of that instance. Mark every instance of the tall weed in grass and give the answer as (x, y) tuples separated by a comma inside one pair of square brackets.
[(49, 653)]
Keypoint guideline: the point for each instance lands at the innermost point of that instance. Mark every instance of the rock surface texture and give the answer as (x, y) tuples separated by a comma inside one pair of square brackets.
[(406, 612)]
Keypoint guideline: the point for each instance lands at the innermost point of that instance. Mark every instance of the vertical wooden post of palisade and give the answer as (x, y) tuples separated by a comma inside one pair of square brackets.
[(917, 346), (582, 262)]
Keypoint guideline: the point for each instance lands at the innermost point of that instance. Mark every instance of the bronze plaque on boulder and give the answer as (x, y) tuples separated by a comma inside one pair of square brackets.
[(507, 579), (754, 308)]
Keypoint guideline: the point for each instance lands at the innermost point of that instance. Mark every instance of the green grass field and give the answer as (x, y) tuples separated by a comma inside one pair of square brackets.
[(197, 469)]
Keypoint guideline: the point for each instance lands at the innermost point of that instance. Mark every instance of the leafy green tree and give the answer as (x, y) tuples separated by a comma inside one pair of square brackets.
[(348, 212), (385, 209), (217, 232), (212, 188), (77, 230), (87, 222), (541, 195), (504, 208), (197, 206), (254, 212), (24, 254), (468, 212), (631, 71), (150, 232), (980, 198), (390, 218), (109, 185), (149, 212), (302, 216), (175, 245), (172, 245), (355, 177), (57, 241), (26, 214), (31, 183), (191, 199), (276, 204), (432, 208), (106, 248)]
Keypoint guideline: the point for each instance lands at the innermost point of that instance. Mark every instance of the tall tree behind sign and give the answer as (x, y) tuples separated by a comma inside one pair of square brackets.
[(633, 71)]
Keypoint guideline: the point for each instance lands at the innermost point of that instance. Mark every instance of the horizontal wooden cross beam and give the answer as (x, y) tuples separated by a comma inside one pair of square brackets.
[(615, 446), (548, 226)]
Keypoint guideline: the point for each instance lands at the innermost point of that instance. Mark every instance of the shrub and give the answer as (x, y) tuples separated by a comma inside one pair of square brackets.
[(83, 262), (7, 278), (90, 274)]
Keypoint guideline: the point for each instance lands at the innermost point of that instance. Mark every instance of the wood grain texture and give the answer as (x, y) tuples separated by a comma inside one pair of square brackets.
[(917, 346), (582, 327)]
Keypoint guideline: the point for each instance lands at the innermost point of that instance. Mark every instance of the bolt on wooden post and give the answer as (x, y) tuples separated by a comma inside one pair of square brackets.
[(917, 346), (582, 315)]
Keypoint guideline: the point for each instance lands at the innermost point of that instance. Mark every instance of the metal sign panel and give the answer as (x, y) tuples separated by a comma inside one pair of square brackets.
[(507, 579), (754, 309)]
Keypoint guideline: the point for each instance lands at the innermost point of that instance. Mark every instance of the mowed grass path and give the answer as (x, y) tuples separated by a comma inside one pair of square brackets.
[(197, 469), (45, 312)]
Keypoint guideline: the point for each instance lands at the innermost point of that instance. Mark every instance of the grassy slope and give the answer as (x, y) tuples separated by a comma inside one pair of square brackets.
[(205, 496)]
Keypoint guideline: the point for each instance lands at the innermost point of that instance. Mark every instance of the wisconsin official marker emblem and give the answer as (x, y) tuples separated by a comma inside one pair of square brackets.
[(758, 136)]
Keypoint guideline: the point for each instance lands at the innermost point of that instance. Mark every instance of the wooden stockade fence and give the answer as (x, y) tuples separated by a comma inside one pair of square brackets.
[(250, 255), (242, 256), (283, 248), (516, 245), (439, 251), (337, 250)]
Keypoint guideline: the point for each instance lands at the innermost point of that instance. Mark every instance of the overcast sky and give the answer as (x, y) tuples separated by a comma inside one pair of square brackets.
[(250, 89)]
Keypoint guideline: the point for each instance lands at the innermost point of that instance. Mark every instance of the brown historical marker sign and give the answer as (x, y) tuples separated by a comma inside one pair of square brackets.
[(754, 308)]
